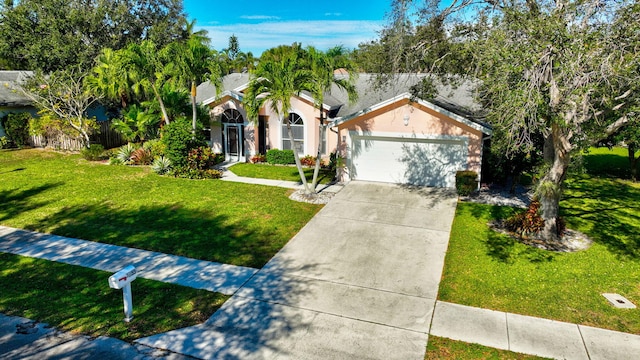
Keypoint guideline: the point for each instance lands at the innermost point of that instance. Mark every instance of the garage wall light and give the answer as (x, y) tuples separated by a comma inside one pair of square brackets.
[(406, 120)]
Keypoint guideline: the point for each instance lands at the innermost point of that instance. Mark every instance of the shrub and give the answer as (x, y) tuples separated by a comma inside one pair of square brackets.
[(189, 173), (94, 152), (466, 182), (155, 146), (124, 154), (141, 156), (308, 161), (335, 162), (203, 158), (17, 128), (161, 165), (179, 140), (4, 142), (258, 158), (527, 222), (281, 157)]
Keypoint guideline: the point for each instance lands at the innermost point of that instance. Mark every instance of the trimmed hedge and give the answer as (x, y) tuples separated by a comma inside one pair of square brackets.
[(280, 157), (466, 182)]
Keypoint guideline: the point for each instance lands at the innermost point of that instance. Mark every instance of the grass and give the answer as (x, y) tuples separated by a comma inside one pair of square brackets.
[(607, 163), (490, 270), (231, 223), (79, 300), (278, 172), (443, 348)]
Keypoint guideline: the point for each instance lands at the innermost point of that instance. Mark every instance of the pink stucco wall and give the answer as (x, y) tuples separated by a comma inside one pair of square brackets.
[(422, 122)]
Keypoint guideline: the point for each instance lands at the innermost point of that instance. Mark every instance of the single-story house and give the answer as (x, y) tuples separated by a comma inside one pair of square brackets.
[(387, 135)]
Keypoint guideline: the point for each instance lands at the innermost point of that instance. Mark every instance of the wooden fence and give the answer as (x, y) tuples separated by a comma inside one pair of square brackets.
[(104, 136)]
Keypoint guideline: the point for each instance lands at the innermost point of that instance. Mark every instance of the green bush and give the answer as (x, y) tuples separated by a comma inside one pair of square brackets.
[(17, 128), (202, 158), (95, 152), (179, 140), (189, 173), (466, 182), (281, 157), (4, 142), (155, 146)]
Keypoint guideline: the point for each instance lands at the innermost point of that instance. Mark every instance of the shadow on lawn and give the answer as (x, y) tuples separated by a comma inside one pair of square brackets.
[(504, 248), (168, 229), (16, 201), (609, 209)]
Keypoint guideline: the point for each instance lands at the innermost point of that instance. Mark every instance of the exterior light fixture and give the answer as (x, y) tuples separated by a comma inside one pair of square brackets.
[(406, 120)]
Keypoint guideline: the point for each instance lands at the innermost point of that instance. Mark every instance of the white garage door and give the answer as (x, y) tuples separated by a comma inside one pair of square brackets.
[(426, 162)]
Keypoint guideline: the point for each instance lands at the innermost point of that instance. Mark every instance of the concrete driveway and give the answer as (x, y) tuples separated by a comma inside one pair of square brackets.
[(359, 281)]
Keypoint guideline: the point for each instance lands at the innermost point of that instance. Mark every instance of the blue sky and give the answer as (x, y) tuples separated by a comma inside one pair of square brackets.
[(260, 25)]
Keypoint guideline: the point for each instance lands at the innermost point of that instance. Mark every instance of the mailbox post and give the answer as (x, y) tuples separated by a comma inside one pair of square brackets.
[(122, 280)]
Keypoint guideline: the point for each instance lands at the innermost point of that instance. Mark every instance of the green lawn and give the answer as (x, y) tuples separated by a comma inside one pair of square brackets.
[(232, 223), (279, 172), (443, 348), (79, 300), (490, 270)]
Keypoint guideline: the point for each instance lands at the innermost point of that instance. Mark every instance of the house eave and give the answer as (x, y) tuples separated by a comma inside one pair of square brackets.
[(407, 96), (227, 93)]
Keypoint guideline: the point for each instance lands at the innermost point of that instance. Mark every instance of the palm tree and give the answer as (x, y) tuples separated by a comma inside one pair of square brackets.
[(194, 63), (280, 75), (323, 66)]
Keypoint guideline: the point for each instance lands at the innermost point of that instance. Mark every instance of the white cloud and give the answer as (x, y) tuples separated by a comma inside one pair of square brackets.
[(259, 17), (321, 34)]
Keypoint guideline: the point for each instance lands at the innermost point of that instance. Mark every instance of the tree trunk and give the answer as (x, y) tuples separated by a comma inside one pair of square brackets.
[(165, 117), (297, 158), (316, 170), (633, 161), (550, 187), (193, 108)]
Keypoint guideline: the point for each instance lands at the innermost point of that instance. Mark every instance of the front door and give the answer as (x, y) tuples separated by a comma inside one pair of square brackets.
[(233, 142)]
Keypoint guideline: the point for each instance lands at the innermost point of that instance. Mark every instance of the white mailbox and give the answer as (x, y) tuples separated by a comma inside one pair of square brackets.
[(123, 277), (122, 280)]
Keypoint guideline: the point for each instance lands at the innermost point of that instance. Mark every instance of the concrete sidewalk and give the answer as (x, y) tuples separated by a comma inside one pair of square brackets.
[(173, 269), (531, 335)]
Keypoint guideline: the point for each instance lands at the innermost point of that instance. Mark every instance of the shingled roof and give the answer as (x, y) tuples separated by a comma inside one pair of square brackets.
[(456, 99), (9, 95)]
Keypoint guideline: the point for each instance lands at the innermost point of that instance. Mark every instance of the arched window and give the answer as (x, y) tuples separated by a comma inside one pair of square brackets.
[(297, 128), (232, 116)]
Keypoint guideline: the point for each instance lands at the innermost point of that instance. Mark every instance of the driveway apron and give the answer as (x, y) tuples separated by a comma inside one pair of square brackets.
[(359, 281)]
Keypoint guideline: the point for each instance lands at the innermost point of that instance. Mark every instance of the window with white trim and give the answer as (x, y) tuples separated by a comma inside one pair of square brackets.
[(297, 128)]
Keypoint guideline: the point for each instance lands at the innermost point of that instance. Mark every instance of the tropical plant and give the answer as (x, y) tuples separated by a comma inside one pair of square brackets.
[(280, 75), (194, 63), (136, 124), (124, 154), (161, 165)]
